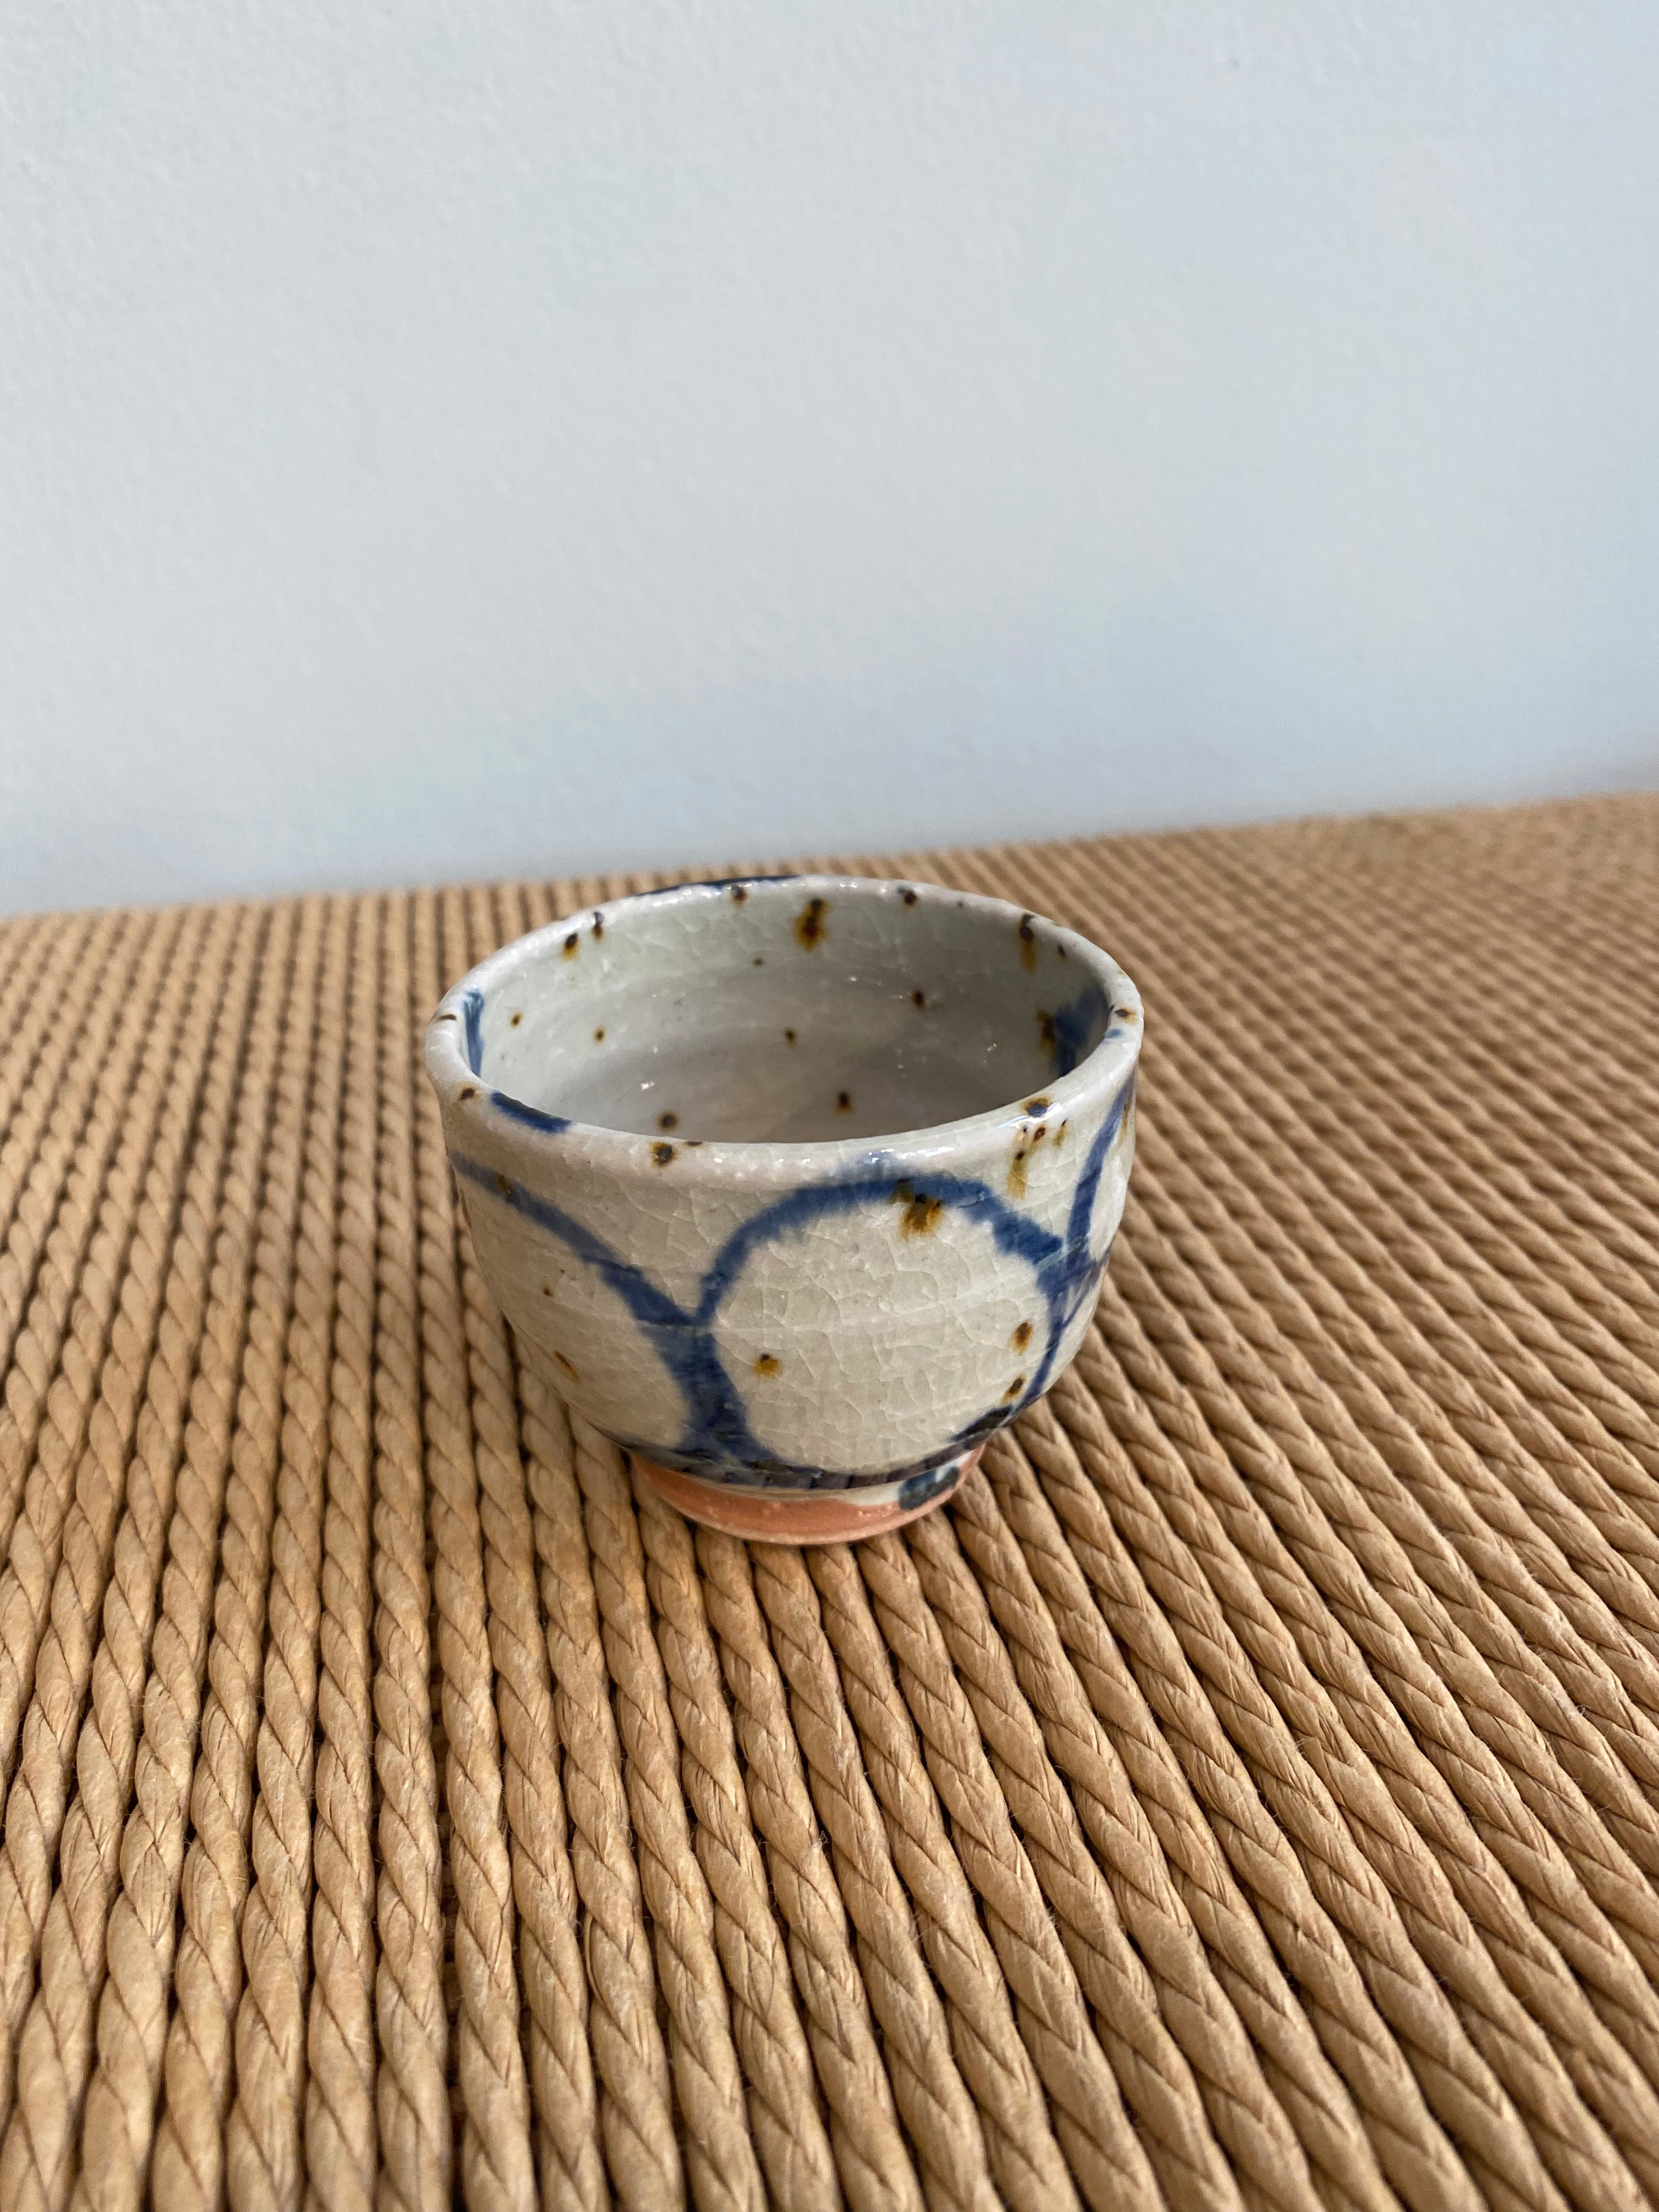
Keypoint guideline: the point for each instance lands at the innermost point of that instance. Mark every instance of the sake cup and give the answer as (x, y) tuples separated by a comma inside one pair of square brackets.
[(796, 1186)]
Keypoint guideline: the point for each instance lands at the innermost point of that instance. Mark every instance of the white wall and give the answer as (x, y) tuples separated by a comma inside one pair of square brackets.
[(518, 435)]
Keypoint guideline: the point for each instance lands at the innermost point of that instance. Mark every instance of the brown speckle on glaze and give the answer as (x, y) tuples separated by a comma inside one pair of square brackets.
[(1021, 1337), (1037, 1105), (598, 1034), (921, 1213), (668, 1119), (766, 1365), (810, 928), (739, 893), (467, 1091), (1017, 1173), (661, 1155), (546, 1290), (1046, 1030), (573, 945), (1028, 943), (504, 1184), (789, 1036), (567, 1366), (1059, 1135), (1060, 951), (759, 962), (1123, 1014), (843, 1102), (599, 925), (919, 1000), (907, 896), (446, 1018), (516, 1019), (1015, 1387)]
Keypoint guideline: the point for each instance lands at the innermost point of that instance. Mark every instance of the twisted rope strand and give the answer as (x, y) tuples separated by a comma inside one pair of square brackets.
[(1197, 1680), (635, 2115), (1175, 1985), (1085, 2106), (1568, 2138), (199, 2056), (1518, 1708), (1202, 1900), (963, 2153), (118, 2114), (1508, 1589), (569, 2159), (262, 2133), (341, 2143), (137, 1448), (496, 2168), (874, 2167), (60, 1347), (47, 1641), (49, 1210), (412, 2027), (1612, 2085), (720, 2157), (790, 2138)]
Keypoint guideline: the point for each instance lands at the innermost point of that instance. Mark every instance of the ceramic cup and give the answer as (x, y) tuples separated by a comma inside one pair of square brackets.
[(796, 1186)]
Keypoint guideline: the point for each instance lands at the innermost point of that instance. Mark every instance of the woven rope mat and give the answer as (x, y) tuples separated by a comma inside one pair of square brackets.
[(1247, 1793)]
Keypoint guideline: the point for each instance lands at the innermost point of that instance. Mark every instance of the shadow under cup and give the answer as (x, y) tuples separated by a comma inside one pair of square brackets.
[(758, 1170)]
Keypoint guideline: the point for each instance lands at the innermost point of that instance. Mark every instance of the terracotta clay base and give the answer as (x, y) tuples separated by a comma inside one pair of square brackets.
[(796, 1516)]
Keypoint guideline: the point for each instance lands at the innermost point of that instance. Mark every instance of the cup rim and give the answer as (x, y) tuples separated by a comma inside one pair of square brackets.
[(465, 1091)]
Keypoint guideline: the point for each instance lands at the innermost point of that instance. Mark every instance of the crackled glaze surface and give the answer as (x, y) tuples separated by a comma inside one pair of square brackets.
[(795, 1185)]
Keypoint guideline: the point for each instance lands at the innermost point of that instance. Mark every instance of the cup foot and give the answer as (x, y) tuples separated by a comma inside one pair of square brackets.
[(804, 1516)]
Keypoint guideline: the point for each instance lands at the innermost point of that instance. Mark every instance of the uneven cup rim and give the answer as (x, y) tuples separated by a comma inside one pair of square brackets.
[(465, 1091)]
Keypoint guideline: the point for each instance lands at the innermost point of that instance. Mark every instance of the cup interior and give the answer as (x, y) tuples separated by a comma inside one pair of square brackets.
[(790, 1010)]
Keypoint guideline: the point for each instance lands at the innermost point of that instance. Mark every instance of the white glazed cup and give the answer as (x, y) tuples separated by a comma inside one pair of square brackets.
[(796, 1186)]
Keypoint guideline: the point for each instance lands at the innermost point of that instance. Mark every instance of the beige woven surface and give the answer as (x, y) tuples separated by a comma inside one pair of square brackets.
[(1246, 1794)]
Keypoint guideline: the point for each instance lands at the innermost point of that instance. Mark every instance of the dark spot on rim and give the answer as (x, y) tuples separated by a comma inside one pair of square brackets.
[(1037, 1105), (668, 1119), (598, 1034), (1015, 1387), (572, 944), (759, 962), (843, 1102), (546, 1290), (1060, 951), (766, 1365), (919, 998), (1123, 1014), (661, 1154), (516, 1019), (1022, 1336), (467, 1091), (909, 895), (1028, 943), (810, 928), (691, 1143), (1039, 1134), (789, 1036), (739, 893), (504, 1184), (567, 1366), (599, 925), (447, 1017)]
